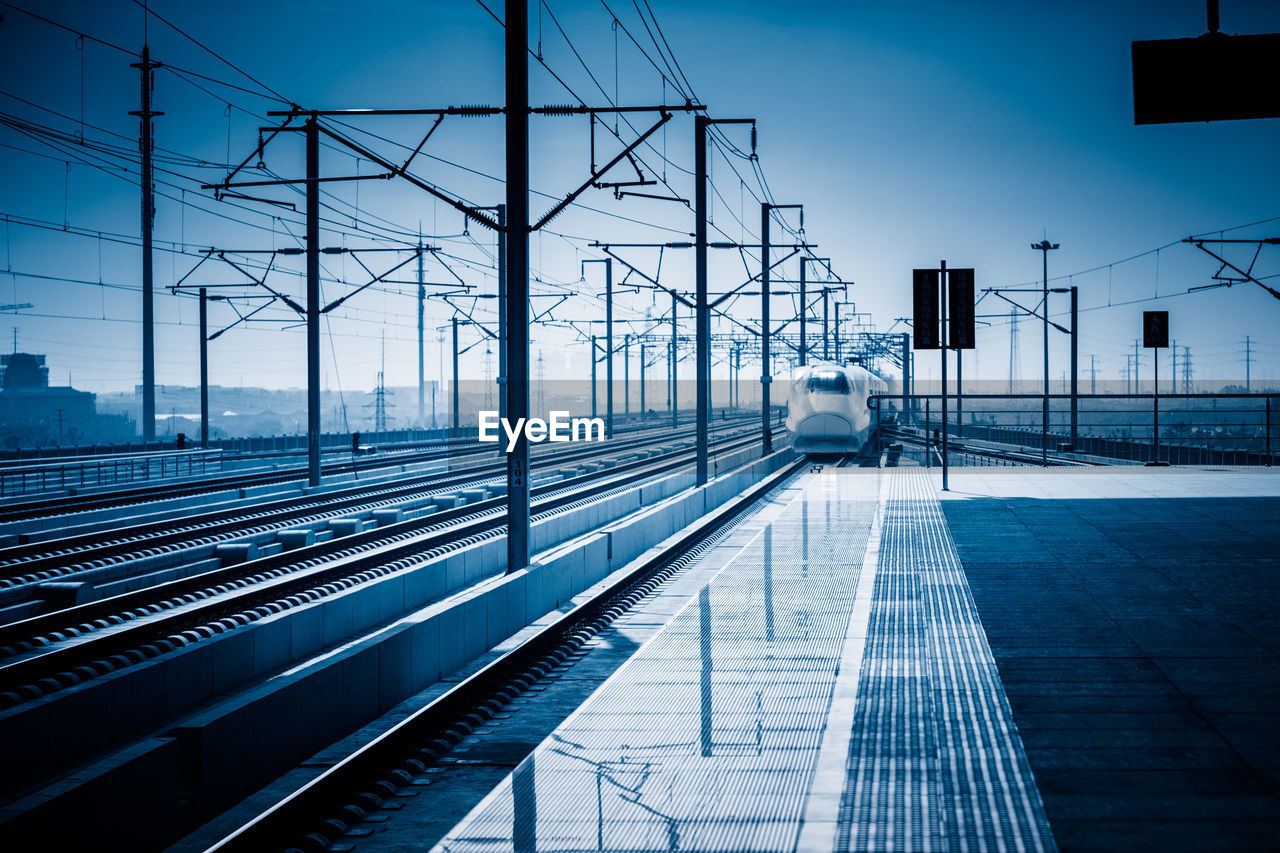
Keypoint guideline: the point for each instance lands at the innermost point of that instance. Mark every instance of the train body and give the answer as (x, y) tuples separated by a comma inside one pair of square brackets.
[(827, 409)]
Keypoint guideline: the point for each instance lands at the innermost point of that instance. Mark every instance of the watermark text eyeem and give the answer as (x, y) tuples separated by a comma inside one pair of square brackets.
[(560, 427)]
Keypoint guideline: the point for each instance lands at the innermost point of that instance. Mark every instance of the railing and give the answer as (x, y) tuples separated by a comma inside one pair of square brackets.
[(1177, 429), (24, 477)]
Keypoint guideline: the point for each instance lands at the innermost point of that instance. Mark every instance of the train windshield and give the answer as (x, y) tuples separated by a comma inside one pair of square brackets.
[(832, 382)]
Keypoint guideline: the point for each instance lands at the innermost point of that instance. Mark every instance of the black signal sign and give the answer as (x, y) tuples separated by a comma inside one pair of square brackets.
[(960, 320), (1155, 329), (928, 310)]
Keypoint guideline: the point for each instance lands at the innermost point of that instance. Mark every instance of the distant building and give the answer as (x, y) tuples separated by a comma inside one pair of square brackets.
[(33, 413)]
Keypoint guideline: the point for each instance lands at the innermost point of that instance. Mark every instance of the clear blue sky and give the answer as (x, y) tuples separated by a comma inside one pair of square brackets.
[(912, 132)]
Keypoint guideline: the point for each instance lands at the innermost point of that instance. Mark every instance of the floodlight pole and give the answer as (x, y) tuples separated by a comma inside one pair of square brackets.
[(1045, 247)]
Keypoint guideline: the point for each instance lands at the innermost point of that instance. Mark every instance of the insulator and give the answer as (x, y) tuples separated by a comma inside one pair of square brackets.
[(474, 110), (560, 110), (753, 139)]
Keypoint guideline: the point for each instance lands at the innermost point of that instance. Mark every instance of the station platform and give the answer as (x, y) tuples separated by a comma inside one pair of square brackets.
[(825, 684), (1036, 659)]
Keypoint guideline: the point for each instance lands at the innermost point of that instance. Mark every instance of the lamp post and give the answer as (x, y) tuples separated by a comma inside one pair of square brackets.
[(1044, 246)]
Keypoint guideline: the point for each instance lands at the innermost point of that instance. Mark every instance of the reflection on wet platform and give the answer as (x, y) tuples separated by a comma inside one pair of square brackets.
[(760, 717)]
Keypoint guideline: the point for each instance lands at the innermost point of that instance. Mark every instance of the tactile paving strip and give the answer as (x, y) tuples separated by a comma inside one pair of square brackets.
[(706, 739), (935, 761)]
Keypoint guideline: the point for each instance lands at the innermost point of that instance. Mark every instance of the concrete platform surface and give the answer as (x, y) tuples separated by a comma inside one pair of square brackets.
[(827, 686), (1134, 615)]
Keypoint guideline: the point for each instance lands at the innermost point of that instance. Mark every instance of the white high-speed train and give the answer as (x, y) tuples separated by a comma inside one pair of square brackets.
[(827, 409)]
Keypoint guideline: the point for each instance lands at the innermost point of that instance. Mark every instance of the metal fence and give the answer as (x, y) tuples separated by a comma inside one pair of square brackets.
[(25, 477), (1178, 429)]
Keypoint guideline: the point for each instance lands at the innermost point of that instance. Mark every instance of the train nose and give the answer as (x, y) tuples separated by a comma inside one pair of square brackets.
[(825, 425)]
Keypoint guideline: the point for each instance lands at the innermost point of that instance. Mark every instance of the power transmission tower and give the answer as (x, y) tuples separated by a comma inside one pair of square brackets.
[(380, 395), (1186, 370), (1093, 375), (1248, 363), (1015, 356)]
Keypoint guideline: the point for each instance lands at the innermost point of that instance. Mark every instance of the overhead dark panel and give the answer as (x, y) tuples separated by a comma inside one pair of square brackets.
[(1214, 77)]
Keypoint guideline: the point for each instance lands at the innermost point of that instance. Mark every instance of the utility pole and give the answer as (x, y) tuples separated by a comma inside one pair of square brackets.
[(454, 408), (836, 331), (422, 304), (702, 322), (608, 337), (766, 211), (643, 355), (766, 330), (146, 144), (517, 331), (1075, 370), (804, 311), (204, 368), (906, 373), (626, 377), (1137, 367), (672, 389), (502, 310), (1015, 354), (1045, 247), (702, 335), (826, 333), (942, 304), (608, 343), (313, 300), (1093, 376), (594, 406)]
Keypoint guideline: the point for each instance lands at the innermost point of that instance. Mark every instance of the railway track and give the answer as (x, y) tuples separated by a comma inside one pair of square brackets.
[(66, 558), (49, 653), (322, 812), (69, 504)]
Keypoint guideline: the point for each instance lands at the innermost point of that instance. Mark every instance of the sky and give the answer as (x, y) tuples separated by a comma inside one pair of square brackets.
[(911, 132)]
